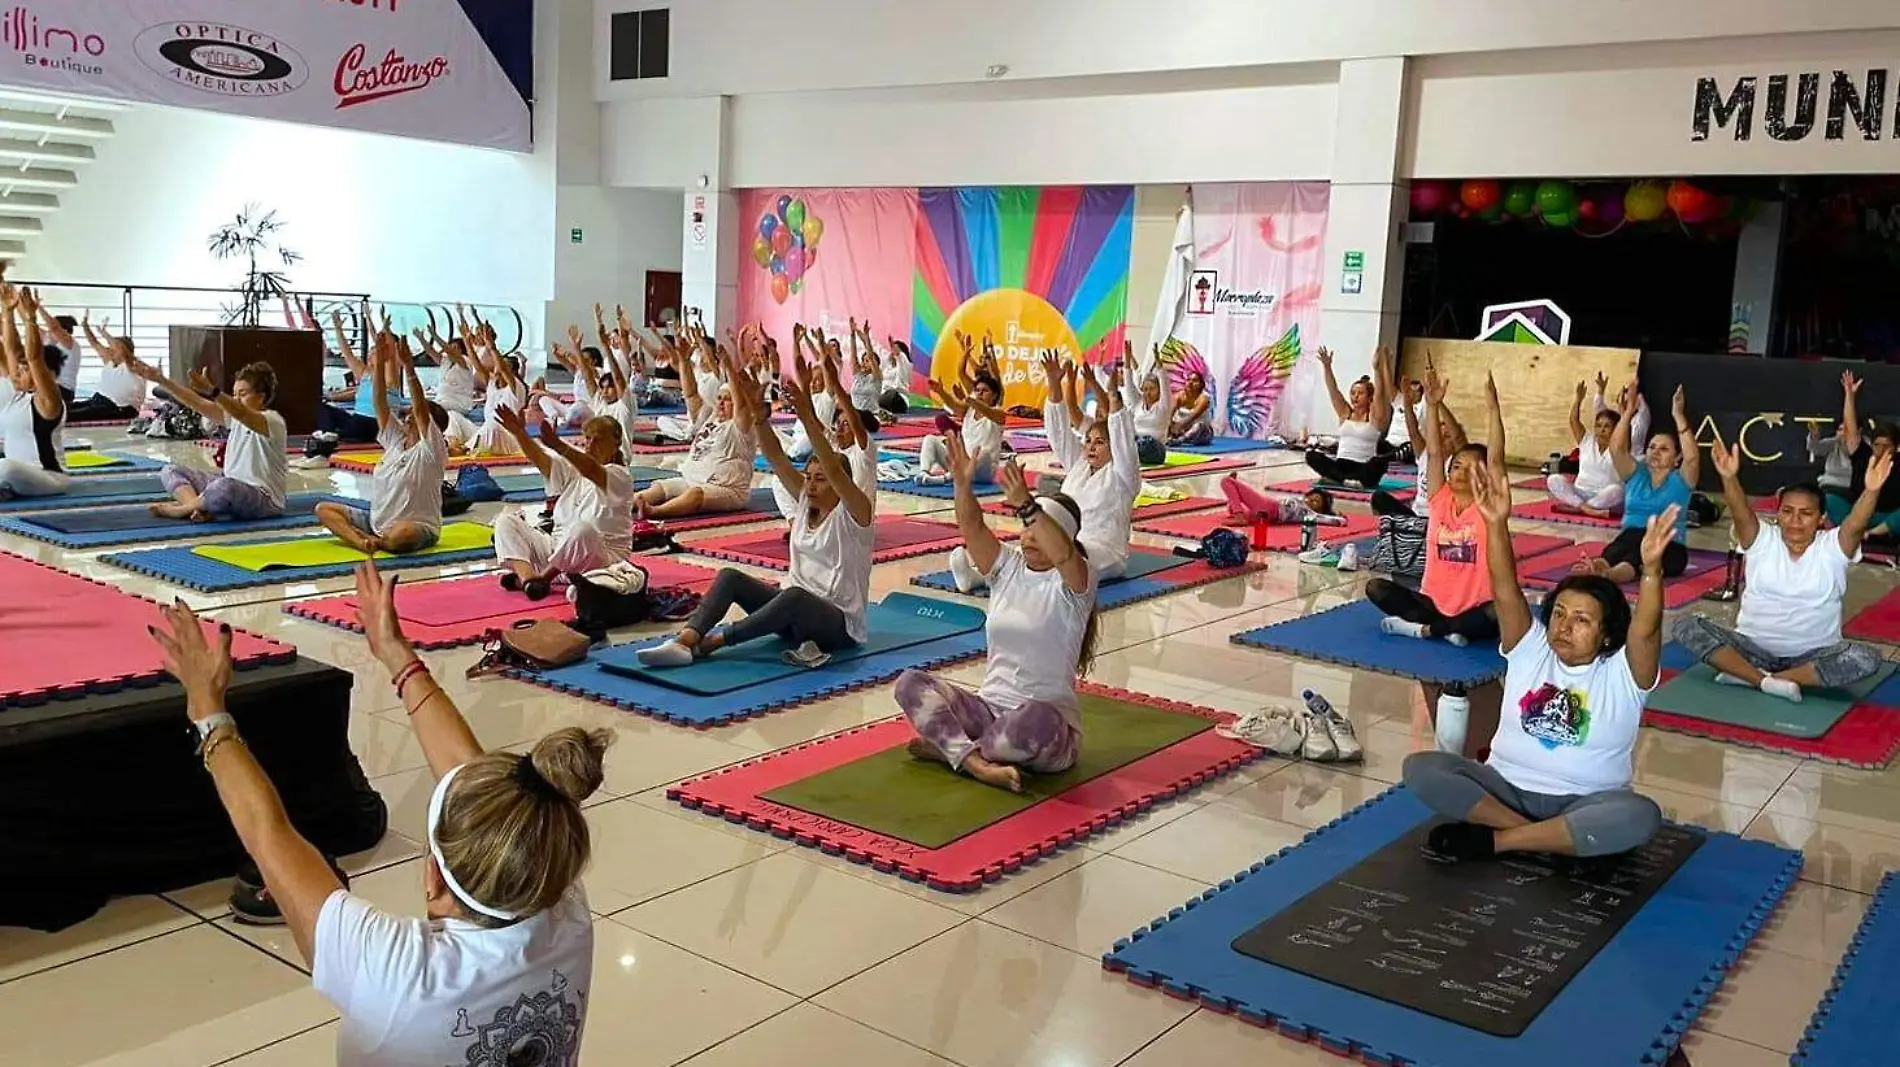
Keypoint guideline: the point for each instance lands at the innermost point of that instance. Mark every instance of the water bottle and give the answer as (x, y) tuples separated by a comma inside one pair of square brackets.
[(1309, 534), (1316, 704), (1454, 713), (1554, 464), (1262, 533)]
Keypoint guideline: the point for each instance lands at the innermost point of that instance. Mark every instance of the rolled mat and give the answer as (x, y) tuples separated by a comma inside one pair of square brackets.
[(92, 492), (1546, 511), (898, 622), (1857, 1023), (450, 612), (1051, 821), (1349, 635), (300, 552), (927, 804), (788, 686), (67, 636), (1281, 537), (896, 538), (1695, 694), (1682, 941), (135, 524)]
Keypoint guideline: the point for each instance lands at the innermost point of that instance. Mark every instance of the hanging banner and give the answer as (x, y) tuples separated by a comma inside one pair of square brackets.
[(1252, 297), (1030, 268), (412, 68)]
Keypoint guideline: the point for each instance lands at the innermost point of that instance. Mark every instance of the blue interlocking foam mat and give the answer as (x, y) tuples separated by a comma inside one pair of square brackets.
[(530, 487), (129, 524), (183, 566), (946, 491), (92, 492), (586, 679), (1349, 635), (760, 463), (1221, 446), (1148, 577), (1857, 1023), (127, 462), (1630, 1005)]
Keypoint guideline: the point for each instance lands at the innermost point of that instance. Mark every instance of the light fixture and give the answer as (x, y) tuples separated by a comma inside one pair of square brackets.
[(996, 70)]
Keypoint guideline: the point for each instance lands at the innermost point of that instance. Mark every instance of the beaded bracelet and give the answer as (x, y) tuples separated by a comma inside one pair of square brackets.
[(413, 668)]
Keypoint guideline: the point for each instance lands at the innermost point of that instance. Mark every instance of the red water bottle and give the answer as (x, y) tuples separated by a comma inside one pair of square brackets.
[(1262, 527)]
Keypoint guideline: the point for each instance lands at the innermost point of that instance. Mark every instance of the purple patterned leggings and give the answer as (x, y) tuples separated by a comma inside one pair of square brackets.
[(223, 499), (958, 722)]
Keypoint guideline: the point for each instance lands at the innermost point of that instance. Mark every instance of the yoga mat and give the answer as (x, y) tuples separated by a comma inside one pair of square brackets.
[(1146, 507), (1529, 923), (736, 794), (1879, 621), (1857, 1023), (529, 487), (1695, 694), (1705, 571), (364, 460), (1868, 736), (135, 524), (1221, 446), (902, 430), (92, 492), (926, 803), (900, 621), (1349, 635), (299, 552), (84, 462), (182, 565), (1546, 511), (1281, 537), (1404, 489), (946, 491), (1142, 562), (64, 636), (896, 538), (760, 506), (1631, 1004)]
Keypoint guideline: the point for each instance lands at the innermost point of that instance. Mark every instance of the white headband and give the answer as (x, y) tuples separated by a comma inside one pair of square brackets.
[(1059, 514), (448, 877)]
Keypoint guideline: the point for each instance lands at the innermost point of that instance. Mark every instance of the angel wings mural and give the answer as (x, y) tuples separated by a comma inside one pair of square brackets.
[(1243, 404)]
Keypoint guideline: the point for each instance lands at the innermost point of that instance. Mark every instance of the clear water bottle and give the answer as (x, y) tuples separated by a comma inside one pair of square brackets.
[(1454, 714), (1309, 534), (1554, 464)]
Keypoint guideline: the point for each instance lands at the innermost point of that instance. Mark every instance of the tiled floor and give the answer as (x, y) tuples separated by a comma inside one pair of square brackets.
[(722, 947)]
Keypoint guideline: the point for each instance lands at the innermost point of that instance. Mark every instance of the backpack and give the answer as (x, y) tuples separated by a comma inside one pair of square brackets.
[(1401, 545), (478, 485), (1224, 548)]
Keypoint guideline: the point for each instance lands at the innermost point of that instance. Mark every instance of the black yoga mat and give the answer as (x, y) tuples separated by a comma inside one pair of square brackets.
[(1485, 945)]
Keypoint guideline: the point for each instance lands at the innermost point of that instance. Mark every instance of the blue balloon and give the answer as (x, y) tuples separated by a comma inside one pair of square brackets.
[(778, 264), (798, 237), (784, 205), (767, 224)]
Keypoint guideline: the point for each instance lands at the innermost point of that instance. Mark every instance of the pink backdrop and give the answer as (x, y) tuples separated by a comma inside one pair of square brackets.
[(862, 267)]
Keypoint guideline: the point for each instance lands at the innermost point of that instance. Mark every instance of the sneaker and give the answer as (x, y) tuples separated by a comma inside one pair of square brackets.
[(963, 572), (1349, 558), (1318, 554), (511, 581), (1338, 728), (537, 588), (311, 463), (251, 903), (933, 478), (1319, 746), (807, 655), (1354, 484), (1276, 728)]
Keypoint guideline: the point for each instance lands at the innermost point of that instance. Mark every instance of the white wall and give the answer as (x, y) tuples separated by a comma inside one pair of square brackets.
[(625, 233)]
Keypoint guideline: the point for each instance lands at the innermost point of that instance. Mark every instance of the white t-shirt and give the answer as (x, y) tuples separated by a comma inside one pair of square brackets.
[(1596, 468), (68, 376), (445, 991), (586, 506), (121, 386), (455, 391), (407, 485), (1422, 500), (259, 459), (1106, 496), (833, 559), (1397, 434), (626, 412), (1034, 631), (981, 436), (896, 371), (1791, 606), (721, 455), (1358, 440), (460, 431), (1566, 731)]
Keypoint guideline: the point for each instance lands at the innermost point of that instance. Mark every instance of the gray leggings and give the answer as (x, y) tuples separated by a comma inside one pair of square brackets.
[(1838, 665), (1601, 824), (792, 613)]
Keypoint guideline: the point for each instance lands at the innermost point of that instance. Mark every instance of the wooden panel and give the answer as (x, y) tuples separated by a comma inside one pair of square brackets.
[(296, 355), (1536, 384)]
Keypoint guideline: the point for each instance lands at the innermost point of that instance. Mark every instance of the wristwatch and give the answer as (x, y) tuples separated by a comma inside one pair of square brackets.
[(1028, 509), (202, 729)]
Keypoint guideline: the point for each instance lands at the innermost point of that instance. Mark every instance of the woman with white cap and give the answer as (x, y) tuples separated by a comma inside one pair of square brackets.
[(500, 969)]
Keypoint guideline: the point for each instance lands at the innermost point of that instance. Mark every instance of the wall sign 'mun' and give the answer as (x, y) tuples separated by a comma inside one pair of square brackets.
[(1855, 109)]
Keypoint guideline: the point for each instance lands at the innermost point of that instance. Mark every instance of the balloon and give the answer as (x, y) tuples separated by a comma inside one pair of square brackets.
[(795, 215), (784, 205), (1556, 197), (811, 256), (1480, 195), (767, 224), (1494, 213), (795, 264), (761, 251), (1520, 199), (1562, 220), (1587, 209), (1610, 209), (781, 288), (781, 240), (1688, 202), (1430, 197), (798, 286), (777, 265), (1645, 202), (814, 229)]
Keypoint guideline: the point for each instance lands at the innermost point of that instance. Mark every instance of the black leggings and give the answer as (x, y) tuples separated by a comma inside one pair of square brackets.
[(349, 427), (1474, 624), (1384, 503), (98, 408), (792, 613), (1339, 471), (1627, 547)]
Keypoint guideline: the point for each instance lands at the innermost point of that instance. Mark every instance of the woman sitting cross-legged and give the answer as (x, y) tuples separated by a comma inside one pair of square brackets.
[(821, 608), (256, 464), (1558, 777), (32, 409), (1597, 488), (1364, 418), (1453, 600), (501, 955), (1788, 635), (1041, 634), (1671, 464), (716, 475), (593, 510), (976, 400), (405, 510)]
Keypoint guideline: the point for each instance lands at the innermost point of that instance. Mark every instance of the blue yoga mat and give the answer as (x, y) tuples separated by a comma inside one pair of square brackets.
[(133, 523), (128, 462), (1141, 564), (183, 566), (1349, 635), (1222, 446), (900, 621), (1629, 1005), (760, 463), (530, 487), (92, 492), (1857, 1023), (946, 491)]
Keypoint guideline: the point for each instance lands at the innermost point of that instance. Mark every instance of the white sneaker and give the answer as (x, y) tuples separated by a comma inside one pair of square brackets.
[(1338, 730), (311, 463), (807, 655), (1277, 728), (963, 572), (1317, 554), (1349, 558), (1320, 746)]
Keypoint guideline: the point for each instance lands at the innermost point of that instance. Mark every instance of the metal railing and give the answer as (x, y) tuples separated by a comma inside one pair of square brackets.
[(146, 314)]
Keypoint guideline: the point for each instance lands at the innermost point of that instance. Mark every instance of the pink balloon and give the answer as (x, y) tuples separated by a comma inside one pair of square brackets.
[(795, 264), (1431, 197)]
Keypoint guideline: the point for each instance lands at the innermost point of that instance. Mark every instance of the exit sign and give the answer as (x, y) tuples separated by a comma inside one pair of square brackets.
[(1354, 260), (574, 236)]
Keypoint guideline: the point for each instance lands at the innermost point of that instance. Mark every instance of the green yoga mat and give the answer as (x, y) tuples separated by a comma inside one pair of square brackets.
[(927, 804), (328, 551), (1179, 459), (79, 459), (1695, 694), (899, 621)]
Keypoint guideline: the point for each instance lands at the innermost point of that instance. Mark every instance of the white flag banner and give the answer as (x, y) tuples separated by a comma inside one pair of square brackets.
[(412, 68)]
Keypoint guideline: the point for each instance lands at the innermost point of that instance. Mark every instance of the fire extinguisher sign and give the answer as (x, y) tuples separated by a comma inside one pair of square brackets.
[(1203, 285)]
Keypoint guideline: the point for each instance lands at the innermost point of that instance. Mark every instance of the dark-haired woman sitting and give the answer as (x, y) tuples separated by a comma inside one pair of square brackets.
[(256, 465), (1558, 778), (1041, 634)]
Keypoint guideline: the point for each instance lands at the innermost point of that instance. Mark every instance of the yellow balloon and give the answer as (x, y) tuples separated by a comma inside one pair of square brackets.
[(814, 229), (1645, 202)]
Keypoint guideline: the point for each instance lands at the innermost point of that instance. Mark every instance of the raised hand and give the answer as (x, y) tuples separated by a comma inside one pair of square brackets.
[(1603, 382), (1325, 356), (962, 467), (1015, 484), (1630, 397), (1493, 494), (200, 381), (1434, 386), (1491, 389), (376, 614), (1679, 407), (1728, 461), (1878, 469), (1849, 383), (201, 666), (1051, 367), (1657, 535), (1583, 390), (510, 419)]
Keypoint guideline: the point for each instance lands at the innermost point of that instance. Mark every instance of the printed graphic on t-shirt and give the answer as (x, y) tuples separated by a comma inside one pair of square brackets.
[(703, 440), (538, 1030), (1457, 544), (1556, 717)]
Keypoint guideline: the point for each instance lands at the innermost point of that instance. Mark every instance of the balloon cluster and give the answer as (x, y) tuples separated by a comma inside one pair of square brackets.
[(1560, 204), (787, 245)]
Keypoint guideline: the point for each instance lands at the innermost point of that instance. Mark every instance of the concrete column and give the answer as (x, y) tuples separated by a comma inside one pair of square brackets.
[(1366, 216), (709, 223), (1757, 261)]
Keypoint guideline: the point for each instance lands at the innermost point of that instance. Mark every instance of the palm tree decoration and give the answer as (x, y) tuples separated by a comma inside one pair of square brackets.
[(247, 237)]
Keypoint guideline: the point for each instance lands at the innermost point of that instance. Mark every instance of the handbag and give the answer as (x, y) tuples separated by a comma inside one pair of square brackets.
[(1401, 545), (530, 645)]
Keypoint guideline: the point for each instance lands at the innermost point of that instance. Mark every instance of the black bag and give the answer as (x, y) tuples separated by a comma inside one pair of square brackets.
[(1401, 546), (598, 609)]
